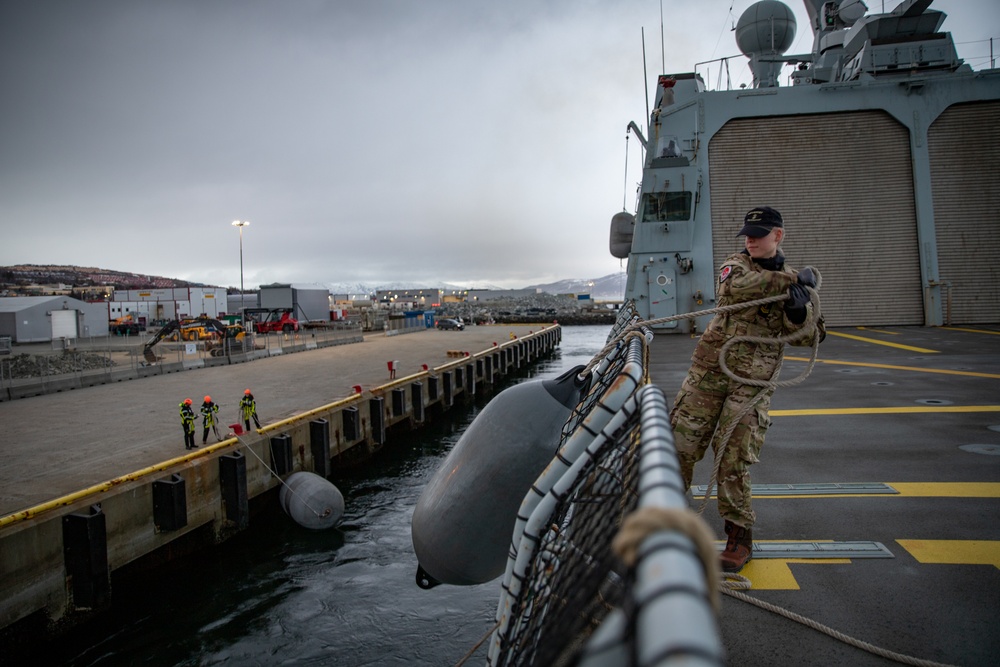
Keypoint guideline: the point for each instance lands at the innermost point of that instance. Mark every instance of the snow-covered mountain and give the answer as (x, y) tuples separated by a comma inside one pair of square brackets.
[(611, 286)]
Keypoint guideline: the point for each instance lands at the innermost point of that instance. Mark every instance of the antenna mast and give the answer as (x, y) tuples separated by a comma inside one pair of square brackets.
[(663, 53), (645, 88)]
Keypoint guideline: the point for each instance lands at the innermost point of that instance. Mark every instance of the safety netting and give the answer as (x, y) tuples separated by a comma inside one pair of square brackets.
[(567, 597)]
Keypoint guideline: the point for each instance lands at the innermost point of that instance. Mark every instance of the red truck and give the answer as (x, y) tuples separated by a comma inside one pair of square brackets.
[(266, 320)]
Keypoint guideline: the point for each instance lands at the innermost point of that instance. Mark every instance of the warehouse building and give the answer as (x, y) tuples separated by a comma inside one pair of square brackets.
[(308, 302), (158, 305), (40, 319)]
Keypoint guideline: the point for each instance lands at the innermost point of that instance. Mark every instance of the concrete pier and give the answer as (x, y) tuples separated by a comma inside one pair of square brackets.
[(98, 477)]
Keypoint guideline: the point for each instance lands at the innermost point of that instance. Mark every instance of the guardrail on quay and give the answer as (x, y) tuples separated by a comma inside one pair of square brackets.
[(56, 559)]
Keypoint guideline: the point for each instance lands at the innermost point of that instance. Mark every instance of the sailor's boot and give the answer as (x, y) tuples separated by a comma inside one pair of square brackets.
[(739, 548)]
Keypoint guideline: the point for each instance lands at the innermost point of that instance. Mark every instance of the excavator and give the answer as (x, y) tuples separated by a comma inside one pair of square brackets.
[(218, 337)]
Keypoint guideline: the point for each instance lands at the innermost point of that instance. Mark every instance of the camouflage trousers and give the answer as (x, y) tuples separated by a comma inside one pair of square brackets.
[(707, 402)]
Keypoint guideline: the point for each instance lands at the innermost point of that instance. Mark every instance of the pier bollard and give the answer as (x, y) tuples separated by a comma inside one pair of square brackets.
[(281, 454), (417, 400), (398, 402), (233, 485), (85, 552), (169, 504), (351, 424), (319, 444), (376, 411)]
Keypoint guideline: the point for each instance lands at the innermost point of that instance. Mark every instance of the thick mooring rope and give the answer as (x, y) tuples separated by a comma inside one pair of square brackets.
[(641, 523)]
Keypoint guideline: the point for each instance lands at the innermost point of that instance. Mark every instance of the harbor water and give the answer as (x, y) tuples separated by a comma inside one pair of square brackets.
[(282, 594)]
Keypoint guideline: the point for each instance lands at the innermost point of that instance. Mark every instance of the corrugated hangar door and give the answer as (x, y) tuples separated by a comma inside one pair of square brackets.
[(964, 146), (63, 324), (844, 186)]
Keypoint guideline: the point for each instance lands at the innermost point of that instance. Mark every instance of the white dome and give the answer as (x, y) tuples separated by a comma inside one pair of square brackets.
[(754, 29)]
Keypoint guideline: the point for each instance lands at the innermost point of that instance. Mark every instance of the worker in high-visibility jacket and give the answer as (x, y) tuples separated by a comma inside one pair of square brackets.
[(248, 409), (208, 412), (187, 423)]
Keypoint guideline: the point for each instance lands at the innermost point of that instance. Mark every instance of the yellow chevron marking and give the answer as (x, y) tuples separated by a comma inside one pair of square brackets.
[(954, 552), (902, 410), (941, 371), (773, 574), (875, 341)]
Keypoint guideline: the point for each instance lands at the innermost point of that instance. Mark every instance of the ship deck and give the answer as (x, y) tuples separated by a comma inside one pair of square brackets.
[(909, 561)]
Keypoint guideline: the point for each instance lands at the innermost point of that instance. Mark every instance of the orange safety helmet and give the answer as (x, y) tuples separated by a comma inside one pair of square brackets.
[(208, 399), (247, 392), (187, 401)]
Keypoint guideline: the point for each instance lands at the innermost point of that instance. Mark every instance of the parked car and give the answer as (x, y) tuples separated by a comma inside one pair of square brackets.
[(450, 324)]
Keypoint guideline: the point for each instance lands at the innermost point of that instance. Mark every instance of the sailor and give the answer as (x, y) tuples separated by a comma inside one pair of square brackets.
[(248, 409), (187, 423), (709, 399), (208, 412)]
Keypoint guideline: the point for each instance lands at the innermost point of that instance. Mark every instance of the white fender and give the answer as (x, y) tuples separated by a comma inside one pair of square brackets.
[(463, 520), (312, 501)]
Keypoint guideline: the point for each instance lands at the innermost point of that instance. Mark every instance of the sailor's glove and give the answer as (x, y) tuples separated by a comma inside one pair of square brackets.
[(807, 277), (795, 306)]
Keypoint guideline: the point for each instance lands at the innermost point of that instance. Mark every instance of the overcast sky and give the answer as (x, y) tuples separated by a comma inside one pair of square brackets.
[(468, 142)]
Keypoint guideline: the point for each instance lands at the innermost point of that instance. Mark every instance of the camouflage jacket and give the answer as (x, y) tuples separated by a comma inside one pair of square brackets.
[(742, 279)]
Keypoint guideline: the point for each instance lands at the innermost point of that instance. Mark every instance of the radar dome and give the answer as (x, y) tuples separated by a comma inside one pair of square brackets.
[(765, 27)]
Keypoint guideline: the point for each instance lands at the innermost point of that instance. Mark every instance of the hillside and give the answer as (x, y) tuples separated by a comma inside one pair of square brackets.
[(606, 287), (81, 276)]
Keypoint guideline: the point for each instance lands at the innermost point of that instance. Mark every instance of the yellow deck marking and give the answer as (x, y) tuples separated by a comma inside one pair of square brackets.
[(888, 333), (905, 490), (773, 574), (881, 342), (942, 371), (954, 552), (984, 331), (947, 489), (902, 410)]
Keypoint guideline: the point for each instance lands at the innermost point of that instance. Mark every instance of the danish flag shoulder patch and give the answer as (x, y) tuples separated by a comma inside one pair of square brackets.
[(726, 270)]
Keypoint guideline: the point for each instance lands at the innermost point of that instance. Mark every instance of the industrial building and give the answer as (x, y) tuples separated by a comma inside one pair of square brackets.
[(172, 303), (308, 302), (40, 319)]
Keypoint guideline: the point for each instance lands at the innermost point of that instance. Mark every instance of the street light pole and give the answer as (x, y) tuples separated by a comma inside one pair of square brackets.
[(241, 224)]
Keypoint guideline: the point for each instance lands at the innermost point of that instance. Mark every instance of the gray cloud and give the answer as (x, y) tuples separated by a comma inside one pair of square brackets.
[(463, 142)]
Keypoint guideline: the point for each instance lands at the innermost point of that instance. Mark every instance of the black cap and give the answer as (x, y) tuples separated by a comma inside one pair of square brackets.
[(760, 221)]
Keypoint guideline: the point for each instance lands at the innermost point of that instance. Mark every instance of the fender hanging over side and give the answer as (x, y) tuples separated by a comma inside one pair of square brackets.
[(463, 520)]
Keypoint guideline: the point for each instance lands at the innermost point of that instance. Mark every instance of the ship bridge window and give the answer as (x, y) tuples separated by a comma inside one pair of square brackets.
[(666, 206)]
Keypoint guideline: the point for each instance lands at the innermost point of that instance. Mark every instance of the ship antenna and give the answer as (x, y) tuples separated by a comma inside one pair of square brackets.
[(663, 54), (645, 88)]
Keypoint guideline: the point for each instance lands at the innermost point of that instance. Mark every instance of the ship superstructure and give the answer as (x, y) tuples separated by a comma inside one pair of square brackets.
[(882, 156)]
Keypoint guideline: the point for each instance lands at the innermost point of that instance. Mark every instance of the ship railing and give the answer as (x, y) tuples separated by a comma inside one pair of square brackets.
[(562, 579)]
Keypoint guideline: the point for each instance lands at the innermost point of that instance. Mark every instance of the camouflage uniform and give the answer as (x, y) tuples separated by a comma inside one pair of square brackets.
[(709, 397)]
